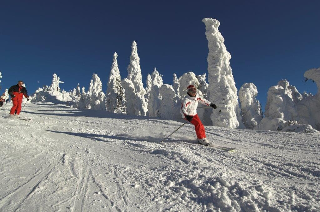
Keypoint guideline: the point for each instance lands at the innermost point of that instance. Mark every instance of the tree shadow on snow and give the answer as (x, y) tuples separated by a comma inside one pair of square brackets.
[(109, 138), (67, 111), (125, 137)]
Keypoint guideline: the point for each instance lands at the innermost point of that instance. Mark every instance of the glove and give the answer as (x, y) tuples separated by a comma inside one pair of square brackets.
[(189, 118), (213, 105)]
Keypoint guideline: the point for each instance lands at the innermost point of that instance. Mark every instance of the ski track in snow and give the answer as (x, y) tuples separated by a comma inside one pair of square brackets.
[(70, 160)]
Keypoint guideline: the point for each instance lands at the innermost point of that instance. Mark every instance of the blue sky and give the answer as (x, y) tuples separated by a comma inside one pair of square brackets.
[(268, 40)]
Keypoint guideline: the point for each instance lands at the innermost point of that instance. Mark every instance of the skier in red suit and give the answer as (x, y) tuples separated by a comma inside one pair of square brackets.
[(17, 92), (189, 112)]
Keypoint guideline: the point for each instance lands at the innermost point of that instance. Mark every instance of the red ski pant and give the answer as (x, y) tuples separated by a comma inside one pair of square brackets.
[(198, 127), (16, 106)]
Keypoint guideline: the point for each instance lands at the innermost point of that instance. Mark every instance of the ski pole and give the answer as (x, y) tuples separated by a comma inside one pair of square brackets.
[(173, 132)]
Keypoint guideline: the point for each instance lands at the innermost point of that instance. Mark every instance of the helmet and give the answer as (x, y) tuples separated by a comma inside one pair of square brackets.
[(191, 89)]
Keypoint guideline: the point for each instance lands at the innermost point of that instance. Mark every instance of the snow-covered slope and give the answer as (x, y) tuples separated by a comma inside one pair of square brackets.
[(69, 160)]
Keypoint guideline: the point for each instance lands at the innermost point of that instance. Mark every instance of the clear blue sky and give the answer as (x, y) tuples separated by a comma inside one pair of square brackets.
[(268, 40)]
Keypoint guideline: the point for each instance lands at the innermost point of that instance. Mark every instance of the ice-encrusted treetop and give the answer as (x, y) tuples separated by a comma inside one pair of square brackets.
[(134, 70), (314, 74)]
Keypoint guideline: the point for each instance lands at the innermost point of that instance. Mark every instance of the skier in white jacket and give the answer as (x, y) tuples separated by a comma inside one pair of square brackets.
[(189, 112)]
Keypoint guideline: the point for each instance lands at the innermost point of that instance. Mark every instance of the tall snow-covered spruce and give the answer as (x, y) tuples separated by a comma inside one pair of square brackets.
[(95, 94), (222, 90), (154, 99), (115, 98), (133, 86)]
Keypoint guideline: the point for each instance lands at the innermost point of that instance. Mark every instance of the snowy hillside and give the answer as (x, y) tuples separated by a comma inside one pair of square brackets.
[(70, 160)]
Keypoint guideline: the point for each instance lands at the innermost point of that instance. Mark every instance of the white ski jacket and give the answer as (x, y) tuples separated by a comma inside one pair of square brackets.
[(190, 104)]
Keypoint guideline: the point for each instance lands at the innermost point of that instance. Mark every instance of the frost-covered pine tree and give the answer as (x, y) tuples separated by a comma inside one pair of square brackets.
[(75, 95), (138, 92), (250, 106), (52, 93), (222, 90), (281, 106), (55, 86), (176, 85), (134, 104), (95, 93), (203, 85), (309, 107), (115, 95), (170, 104), (185, 80), (134, 71), (154, 97)]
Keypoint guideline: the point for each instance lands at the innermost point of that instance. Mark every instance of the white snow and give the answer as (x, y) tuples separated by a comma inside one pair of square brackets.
[(65, 159)]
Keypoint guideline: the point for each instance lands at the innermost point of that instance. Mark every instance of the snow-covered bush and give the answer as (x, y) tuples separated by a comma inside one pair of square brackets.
[(154, 98), (115, 95), (250, 106), (222, 90)]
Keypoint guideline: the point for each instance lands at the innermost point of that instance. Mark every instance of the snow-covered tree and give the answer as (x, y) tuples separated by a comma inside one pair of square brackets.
[(185, 80), (138, 92), (55, 86), (134, 71), (135, 105), (281, 106), (95, 93), (115, 95), (75, 95), (222, 89), (176, 85), (84, 101), (309, 107), (52, 93), (203, 85), (250, 106), (154, 97), (170, 104)]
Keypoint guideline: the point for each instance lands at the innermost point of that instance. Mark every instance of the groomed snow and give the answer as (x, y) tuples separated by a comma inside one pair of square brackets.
[(70, 160)]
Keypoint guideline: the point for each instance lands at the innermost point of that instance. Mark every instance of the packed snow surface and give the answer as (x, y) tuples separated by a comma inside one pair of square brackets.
[(64, 159)]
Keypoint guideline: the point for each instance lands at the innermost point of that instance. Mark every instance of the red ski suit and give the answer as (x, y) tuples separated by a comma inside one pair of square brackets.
[(189, 107), (16, 92)]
